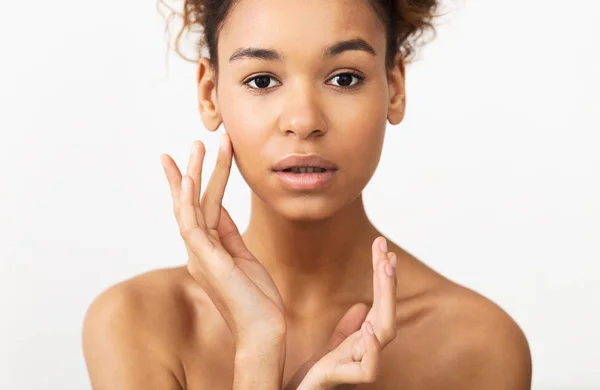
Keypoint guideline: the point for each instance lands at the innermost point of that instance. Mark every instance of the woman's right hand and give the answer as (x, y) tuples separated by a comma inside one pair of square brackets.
[(238, 285)]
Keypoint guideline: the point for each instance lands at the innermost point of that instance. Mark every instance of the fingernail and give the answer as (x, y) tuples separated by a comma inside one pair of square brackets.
[(394, 260), (389, 269), (370, 328), (383, 245), (193, 151)]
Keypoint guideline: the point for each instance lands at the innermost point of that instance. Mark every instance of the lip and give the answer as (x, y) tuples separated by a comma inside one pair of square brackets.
[(304, 160), (305, 181)]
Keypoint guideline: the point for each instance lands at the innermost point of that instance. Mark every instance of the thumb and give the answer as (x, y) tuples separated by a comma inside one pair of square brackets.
[(230, 236), (350, 323)]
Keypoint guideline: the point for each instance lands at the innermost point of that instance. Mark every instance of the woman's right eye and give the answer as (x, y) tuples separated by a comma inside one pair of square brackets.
[(260, 82)]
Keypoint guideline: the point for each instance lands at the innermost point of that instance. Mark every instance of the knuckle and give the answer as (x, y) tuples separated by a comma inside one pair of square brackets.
[(186, 233), (214, 233), (389, 333), (384, 334), (371, 374), (379, 343)]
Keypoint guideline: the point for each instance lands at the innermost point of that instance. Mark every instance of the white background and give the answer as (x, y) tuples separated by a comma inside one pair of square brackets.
[(496, 171)]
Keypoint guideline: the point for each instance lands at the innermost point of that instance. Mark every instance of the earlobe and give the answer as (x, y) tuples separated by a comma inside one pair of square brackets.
[(208, 104), (397, 103)]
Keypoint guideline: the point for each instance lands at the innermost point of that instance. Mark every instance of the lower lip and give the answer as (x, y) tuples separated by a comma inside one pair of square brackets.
[(306, 181)]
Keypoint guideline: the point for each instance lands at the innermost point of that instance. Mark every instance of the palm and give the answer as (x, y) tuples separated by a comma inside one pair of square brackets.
[(227, 236), (258, 275)]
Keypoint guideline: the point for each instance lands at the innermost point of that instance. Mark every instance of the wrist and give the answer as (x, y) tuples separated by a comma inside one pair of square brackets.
[(267, 340), (256, 349), (314, 380), (259, 365)]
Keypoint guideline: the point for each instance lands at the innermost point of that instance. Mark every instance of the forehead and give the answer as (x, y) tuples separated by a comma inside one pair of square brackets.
[(299, 24)]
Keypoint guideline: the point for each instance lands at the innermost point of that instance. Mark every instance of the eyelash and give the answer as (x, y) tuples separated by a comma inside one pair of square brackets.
[(358, 76)]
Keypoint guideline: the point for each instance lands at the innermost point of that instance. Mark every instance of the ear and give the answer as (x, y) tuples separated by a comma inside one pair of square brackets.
[(397, 102), (207, 95)]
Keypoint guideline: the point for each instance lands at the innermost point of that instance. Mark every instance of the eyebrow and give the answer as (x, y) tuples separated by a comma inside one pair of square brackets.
[(273, 55)]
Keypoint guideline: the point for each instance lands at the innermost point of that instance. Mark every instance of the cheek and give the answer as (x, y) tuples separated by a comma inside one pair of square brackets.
[(244, 123), (247, 126), (247, 142), (365, 134)]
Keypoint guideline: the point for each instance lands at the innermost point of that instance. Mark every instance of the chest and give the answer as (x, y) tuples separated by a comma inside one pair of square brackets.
[(209, 363)]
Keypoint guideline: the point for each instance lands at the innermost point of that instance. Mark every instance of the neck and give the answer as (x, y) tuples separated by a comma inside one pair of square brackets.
[(315, 264)]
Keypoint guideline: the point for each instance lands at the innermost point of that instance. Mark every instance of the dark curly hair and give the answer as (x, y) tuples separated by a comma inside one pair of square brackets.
[(406, 22)]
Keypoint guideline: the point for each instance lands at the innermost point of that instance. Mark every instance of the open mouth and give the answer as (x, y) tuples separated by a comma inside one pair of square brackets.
[(306, 177), (306, 170)]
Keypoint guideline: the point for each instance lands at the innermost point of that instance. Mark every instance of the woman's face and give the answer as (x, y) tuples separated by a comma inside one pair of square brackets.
[(312, 82)]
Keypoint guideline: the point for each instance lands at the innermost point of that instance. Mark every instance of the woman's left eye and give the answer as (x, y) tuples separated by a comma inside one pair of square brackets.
[(345, 80)]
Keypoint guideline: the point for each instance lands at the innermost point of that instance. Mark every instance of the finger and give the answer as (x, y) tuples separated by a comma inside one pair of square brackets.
[(370, 362), (230, 236), (213, 195), (345, 352), (194, 168), (364, 371), (173, 175), (385, 327), (378, 253), (188, 218), (209, 256), (349, 324), (358, 349), (174, 178)]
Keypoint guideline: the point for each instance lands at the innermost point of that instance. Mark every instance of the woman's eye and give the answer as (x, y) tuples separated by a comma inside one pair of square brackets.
[(260, 82), (346, 80)]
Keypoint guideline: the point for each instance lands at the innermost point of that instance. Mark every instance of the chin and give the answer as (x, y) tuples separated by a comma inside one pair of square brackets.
[(307, 208)]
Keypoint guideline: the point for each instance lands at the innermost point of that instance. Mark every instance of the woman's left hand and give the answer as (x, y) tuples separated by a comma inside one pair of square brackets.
[(356, 359)]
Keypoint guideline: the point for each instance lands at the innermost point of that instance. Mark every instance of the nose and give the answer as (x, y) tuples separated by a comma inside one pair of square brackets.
[(302, 115)]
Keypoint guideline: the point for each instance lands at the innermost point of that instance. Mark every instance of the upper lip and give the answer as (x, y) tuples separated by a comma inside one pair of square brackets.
[(304, 160)]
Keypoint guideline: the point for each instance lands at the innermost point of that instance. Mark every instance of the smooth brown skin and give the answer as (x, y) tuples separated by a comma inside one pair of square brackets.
[(160, 326)]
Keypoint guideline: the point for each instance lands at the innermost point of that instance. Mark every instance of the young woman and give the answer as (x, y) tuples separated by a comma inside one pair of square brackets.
[(311, 295)]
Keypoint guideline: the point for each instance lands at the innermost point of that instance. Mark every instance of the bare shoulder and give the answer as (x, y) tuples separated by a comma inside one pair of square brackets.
[(133, 329), (488, 348), (462, 340)]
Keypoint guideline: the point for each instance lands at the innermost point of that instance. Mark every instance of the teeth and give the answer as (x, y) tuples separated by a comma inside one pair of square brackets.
[(307, 169)]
